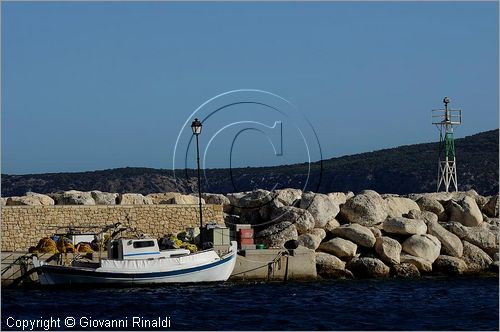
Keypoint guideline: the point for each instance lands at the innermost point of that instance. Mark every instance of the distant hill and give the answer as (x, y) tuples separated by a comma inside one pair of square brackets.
[(401, 170)]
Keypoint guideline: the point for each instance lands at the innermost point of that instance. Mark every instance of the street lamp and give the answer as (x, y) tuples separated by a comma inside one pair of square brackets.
[(196, 127)]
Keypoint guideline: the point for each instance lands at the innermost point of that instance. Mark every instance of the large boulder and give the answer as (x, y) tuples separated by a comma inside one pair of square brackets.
[(163, 198), (329, 266), (465, 211), (446, 196), (73, 197), (251, 216), (324, 259), (404, 226), (450, 243), (133, 199), (476, 259), (339, 198), (479, 236), (21, 200), (217, 199), (405, 270), (319, 232), (471, 193), (253, 205), (481, 201), (103, 198), (331, 225), (398, 206), (186, 200), (322, 207), (422, 264), (439, 196), (339, 247), (388, 249), (367, 267), (367, 209), (425, 216), (449, 265), (376, 231), (234, 199), (356, 233), (43, 199), (424, 246), (491, 227), (430, 204), (303, 220), (491, 207), (31, 198), (288, 196), (310, 241), (254, 199), (267, 210), (276, 235), (3, 201), (492, 221)]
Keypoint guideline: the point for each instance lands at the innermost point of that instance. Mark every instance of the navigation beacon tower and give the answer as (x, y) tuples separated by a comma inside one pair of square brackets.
[(445, 119)]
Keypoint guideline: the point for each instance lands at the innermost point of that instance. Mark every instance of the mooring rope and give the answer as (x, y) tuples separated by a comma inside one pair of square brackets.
[(22, 260), (268, 264)]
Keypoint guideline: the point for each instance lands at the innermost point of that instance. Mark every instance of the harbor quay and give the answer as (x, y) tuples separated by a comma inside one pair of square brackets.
[(285, 234)]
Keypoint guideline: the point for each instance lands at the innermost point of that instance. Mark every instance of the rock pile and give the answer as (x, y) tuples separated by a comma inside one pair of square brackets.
[(95, 197), (372, 235)]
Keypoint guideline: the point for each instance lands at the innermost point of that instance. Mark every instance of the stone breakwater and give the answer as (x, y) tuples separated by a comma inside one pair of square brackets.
[(362, 235), (373, 235)]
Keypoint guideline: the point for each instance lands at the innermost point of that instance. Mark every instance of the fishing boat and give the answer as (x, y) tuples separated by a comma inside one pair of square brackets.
[(132, 261)]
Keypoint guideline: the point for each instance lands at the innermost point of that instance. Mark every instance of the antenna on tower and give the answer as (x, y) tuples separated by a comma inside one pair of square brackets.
[(445, 119)]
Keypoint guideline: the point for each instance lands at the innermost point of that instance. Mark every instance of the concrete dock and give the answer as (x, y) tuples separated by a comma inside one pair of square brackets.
[(275, 264), (15, 265), (251, 265)]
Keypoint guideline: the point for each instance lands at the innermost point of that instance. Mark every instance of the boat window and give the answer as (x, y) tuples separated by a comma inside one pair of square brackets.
[(114, 250), (144, 244)]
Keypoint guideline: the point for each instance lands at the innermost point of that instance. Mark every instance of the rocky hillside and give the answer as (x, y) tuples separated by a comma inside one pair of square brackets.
[(401, 170)]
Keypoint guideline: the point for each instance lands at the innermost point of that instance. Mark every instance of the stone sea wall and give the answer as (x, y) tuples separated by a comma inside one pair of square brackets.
[(24, 225)]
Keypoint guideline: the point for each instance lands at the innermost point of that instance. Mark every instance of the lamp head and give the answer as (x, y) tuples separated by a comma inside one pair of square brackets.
[(196, 126)]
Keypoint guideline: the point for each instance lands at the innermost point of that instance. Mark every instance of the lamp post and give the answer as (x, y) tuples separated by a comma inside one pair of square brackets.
[(196, 127)]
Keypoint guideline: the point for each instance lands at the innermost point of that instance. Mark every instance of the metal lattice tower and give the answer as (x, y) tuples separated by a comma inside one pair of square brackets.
[(445, 119)]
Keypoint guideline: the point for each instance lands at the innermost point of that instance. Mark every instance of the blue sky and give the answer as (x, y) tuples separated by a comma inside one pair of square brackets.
[(89, 86)]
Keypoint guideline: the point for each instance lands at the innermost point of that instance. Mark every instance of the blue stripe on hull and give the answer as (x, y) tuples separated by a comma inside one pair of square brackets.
[(143, 253), (62, 270)]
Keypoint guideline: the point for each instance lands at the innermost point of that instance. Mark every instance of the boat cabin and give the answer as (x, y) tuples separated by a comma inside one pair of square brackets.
[(123, 249)]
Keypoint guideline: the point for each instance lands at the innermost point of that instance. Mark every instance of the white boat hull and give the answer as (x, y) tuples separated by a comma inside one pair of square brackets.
[(176, 270)]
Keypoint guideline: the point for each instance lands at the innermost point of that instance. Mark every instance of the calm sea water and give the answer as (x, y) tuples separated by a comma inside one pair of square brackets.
[(425, 304)]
